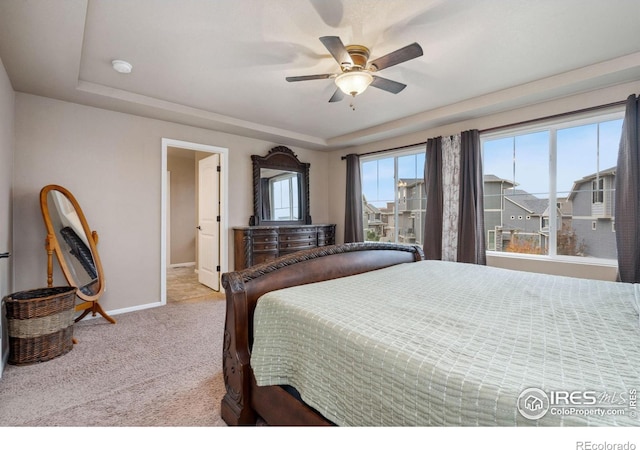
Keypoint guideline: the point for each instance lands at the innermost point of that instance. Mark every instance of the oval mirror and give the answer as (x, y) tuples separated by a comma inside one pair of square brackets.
[(74, 244)]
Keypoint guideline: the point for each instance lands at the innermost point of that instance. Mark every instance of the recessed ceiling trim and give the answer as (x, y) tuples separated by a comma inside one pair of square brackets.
[(502, 100), (214, 118)]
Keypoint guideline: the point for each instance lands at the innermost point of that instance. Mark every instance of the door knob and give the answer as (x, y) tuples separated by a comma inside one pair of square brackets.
[(198, 227)]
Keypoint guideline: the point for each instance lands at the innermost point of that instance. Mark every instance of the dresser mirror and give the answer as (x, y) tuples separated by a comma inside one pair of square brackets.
[(280, 189), (74, 244)]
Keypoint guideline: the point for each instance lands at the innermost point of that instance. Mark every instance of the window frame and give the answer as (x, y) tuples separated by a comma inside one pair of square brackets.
[(553, 125)]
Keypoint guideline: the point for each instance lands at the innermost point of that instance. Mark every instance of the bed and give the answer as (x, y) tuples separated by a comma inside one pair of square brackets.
[(373, 335)]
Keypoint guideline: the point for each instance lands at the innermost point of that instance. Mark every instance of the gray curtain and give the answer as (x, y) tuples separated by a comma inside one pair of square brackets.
[(353, 225), (471, 243), (470, 225), (433, 187), (627, 197)]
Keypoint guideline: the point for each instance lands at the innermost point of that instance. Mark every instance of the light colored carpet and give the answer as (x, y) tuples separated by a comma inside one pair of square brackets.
[(156, 367)]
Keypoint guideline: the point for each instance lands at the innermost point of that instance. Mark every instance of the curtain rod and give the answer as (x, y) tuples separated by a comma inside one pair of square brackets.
[(516, 124), (390, 149), (556, 116)]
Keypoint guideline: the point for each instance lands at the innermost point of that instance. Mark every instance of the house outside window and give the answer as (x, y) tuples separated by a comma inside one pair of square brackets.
[(394, 198), (560, 174)]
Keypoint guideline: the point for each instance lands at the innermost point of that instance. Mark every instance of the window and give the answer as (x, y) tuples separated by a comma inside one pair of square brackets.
[(570, 165), (597, 186), (393, 194), (491, 239)]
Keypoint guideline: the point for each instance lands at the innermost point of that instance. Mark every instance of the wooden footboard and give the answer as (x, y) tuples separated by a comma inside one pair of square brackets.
[(245, 403)]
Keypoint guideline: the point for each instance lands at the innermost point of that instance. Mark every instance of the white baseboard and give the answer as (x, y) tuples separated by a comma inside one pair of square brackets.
[(115, 312)]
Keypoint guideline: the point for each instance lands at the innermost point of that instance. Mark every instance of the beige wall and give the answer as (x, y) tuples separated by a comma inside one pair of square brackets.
[(7, 99), (337, 168), (111, 162), (181, 164)]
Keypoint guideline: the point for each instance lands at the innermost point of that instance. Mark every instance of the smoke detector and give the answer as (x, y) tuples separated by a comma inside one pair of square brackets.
[(121, 66)]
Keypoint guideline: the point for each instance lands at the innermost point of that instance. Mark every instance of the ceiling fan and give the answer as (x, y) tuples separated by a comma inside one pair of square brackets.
[(357, 72)]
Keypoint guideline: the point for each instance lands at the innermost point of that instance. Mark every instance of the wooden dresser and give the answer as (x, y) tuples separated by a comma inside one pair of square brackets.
[(258, 244)]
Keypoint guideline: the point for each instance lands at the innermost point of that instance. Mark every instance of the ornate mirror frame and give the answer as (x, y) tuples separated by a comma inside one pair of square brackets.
[(280, 158), (52, 244)]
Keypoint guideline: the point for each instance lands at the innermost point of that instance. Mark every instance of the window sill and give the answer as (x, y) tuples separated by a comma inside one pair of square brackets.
[(573, 266)]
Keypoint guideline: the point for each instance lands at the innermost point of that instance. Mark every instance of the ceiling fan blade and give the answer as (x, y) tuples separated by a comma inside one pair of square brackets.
[(337, 96), (310, 77), (337, 49), (399, 56), (387, 85)]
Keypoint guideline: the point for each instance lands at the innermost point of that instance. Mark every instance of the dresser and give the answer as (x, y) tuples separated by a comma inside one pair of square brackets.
[(258, 244)]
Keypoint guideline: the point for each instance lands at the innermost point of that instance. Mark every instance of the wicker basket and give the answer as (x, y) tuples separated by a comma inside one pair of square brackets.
[(40, 324)]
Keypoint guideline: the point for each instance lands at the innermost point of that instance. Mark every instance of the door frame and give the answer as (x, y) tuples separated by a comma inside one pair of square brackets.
[(224, 210)]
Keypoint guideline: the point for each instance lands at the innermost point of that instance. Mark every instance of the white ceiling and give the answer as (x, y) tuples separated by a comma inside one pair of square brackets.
[(221, 64)]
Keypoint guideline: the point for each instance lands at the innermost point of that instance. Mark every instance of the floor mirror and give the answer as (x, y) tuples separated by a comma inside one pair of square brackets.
[(75, 247)]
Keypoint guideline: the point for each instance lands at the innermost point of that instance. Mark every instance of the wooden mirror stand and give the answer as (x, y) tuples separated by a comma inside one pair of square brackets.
[(74, 244)]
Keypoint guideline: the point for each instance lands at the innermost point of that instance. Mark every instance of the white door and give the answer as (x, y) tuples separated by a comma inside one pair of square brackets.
[(209, 222)]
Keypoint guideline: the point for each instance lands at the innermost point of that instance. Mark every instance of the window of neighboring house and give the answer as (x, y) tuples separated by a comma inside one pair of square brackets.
[(491, 239), (568, 164), (393, 184), (597, 186), (545, 222)]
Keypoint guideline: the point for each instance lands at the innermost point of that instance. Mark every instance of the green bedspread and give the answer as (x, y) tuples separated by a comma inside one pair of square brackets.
[(440, 343)]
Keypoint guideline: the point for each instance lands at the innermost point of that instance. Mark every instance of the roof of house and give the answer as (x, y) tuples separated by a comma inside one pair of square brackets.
[(490, 178), (411, 181), (527, 201)]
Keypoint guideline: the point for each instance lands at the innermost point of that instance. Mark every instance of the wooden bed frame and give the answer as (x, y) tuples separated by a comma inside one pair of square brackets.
[(245, 403)]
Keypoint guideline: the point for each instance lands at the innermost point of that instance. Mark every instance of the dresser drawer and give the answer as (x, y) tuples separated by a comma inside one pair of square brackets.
[(297, 234), (326, 240), (262, 246), (294, 246), (265, 237), (292, 242), (259, 258), (326, 236), (297, 237)]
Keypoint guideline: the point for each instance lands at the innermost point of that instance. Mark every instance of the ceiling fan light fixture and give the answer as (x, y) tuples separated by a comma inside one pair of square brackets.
[(354, 83)]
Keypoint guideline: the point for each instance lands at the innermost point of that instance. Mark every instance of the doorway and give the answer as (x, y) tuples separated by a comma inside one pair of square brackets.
[(211, 262)]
